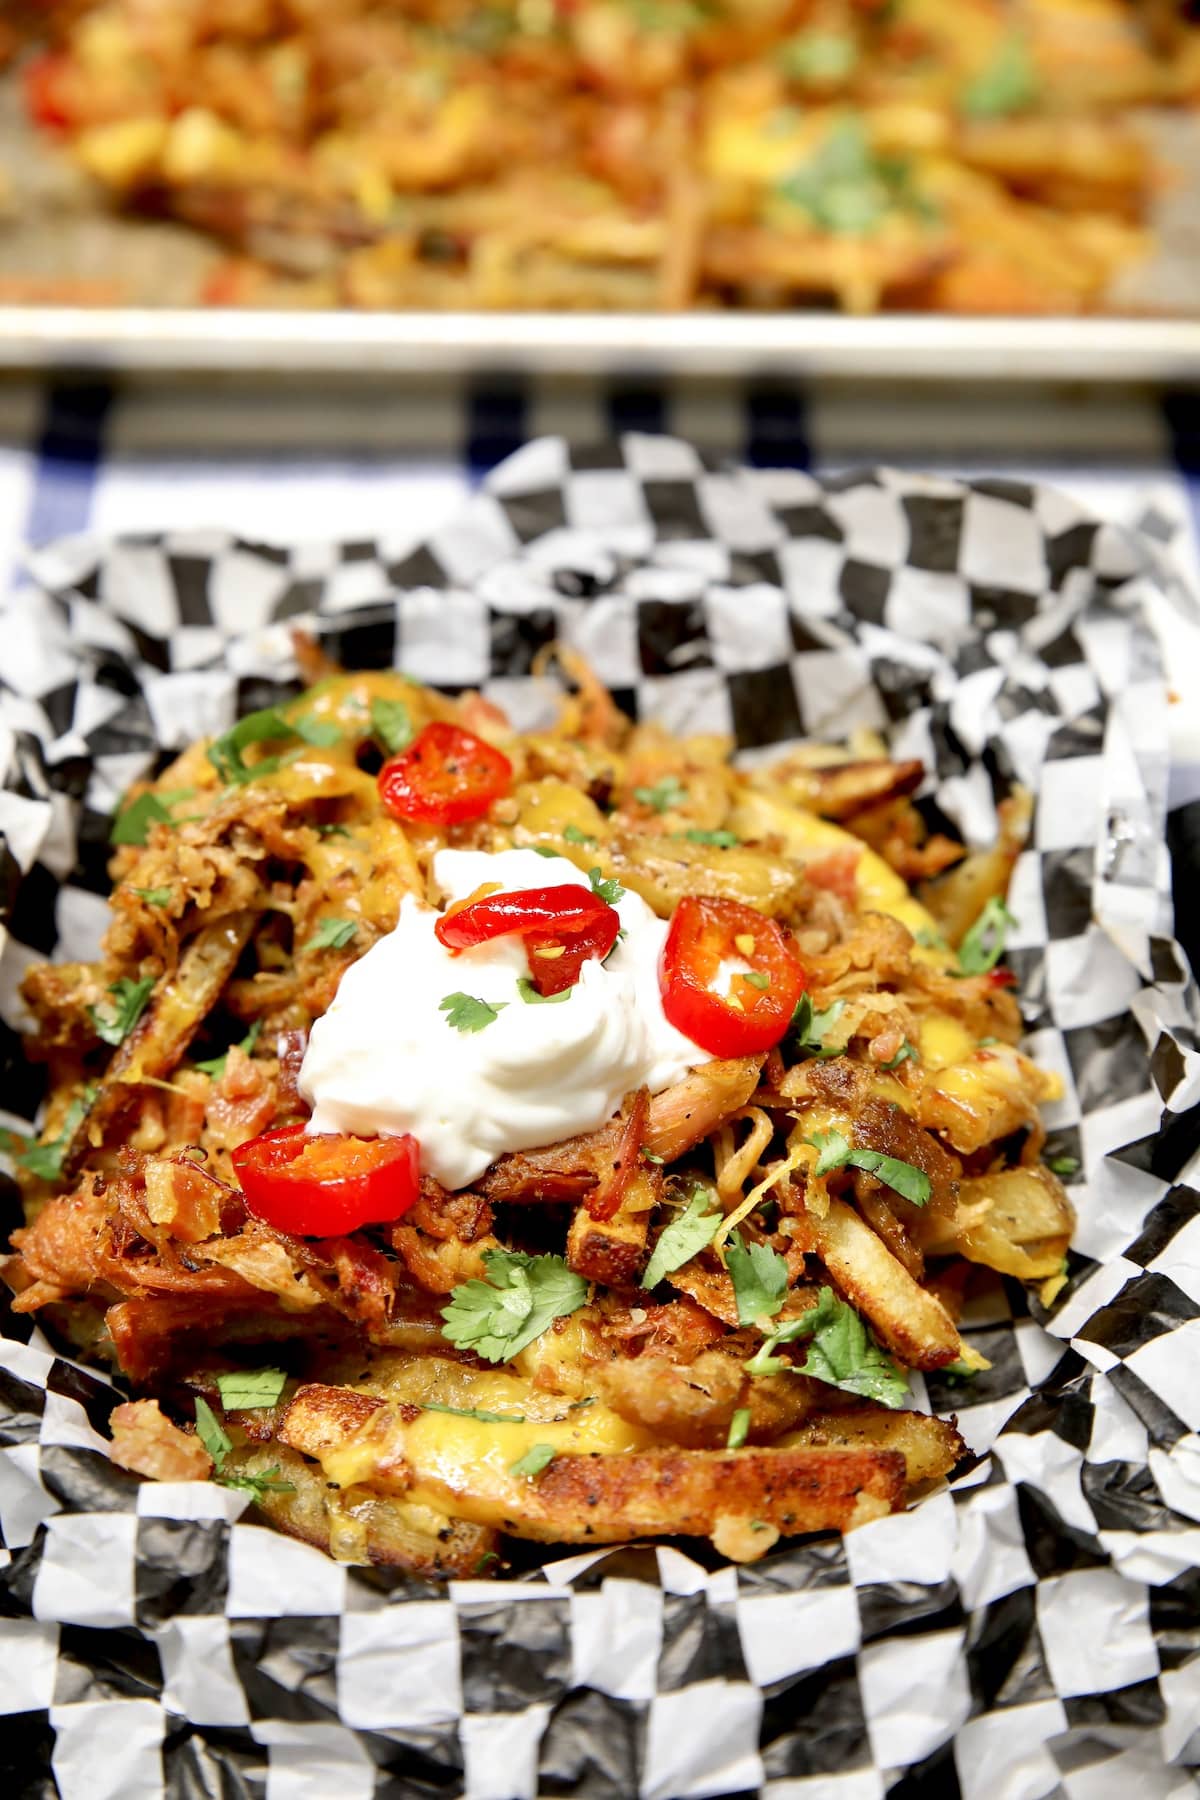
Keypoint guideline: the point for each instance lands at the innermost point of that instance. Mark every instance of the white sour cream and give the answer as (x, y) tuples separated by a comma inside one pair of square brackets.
[(384, 1059)]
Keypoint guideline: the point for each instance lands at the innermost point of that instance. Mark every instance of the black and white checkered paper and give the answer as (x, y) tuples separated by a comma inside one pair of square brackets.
[(1033, 1629)]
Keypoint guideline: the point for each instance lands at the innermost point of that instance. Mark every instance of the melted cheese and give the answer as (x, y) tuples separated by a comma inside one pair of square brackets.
[(943, 1040), (808, 838), (464, 1465)]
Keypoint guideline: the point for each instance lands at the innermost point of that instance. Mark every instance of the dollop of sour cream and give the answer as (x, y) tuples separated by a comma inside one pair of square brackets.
[(385, 1059)]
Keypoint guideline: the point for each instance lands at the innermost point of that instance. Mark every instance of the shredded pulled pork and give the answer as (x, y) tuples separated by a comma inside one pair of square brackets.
[(144, 1440)]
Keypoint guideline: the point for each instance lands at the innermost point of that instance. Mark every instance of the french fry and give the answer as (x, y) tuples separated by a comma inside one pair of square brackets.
[(907, 1320), (1018, 1221), (930, 1447)]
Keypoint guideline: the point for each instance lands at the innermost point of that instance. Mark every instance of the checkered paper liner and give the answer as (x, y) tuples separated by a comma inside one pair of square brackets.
[(1033, 1629)]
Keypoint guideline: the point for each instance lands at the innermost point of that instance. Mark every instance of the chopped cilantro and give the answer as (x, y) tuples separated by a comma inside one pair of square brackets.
[(159, 896), (543, 850), (473, 1412), (534, 1460), (809, 1026), (46, 1160), (841, 1353), (720, 840), (521, 1296), (215, 1067), (739, 1427), (243, 1388), (332, 934), (819, 57), (663, 796), (929, 939), (692, 1231), (1063, 1165), (114, 1024), (1008, 84), (391, 723), (467, 1013), (760, 1280), (218, 1443), (836, 1152), (983, 945), (333, 831), (906, 1053), (133, 822), (608, 891), (266, 726), (651, 1157), (531, 996), (573, 835)]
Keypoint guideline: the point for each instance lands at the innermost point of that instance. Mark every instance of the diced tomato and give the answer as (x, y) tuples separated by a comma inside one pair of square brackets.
[(837, 873), (757, 1009), (46, 91), (446, 776), (561, 928), (327, 1184)]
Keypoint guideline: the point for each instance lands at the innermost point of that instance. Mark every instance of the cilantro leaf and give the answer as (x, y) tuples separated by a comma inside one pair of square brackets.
[(690, 1232), (543, 850), (809, 1027), (473, 1412), (665, 794), (739, 1426), (266, 1483), (159, 896), (212, 1433), (242, 1388), (521, 1296), (334, 831), (531, 996), (266, 726), (46, 1160), (929, 940), (720, 840), (332, 934), (466, 1013), (133, 822), (760, 1279), (114, 1024), (906, 1053), (983, 946), (836, 1152), (573, 835), (842, 1353), (608, 891), (1007, 84), (215, 1067), (391, 723), (534, 1460), (1063, 1165)]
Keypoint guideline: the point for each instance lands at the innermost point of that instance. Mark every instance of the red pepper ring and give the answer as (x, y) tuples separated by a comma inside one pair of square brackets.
[(569, 921), (326, 1184), (446, 776), (757, 1009)]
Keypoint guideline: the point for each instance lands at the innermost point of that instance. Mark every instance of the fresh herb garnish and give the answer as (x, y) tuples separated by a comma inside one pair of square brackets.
[(650, 1156), (467, 1013), (534, 1460), (739, 1427), (836, 1152), (847, 187), (665, 794), (391, 723), (720, 840), (760, 1279), (521, 1296), (809, 1026), (114, 1024), (842, 1353), (332, 934), (46, 1160), (905, 1053), (929, 939), (573, 835), (264, 727), (1063, 1165), (133, 822), (983, 946), (243, 1388), (692, 1231), (1008, 84), (215, 1066), (820, 57), (218, 1443), (609, 891), (334, 831), (544, 850), (489, 1556), (473, 1412), (159, 896), (531, 996)]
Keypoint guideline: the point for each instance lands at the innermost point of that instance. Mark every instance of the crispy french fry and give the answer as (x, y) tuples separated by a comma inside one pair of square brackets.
[(930, 1447), (1018, 1221), (909, 1321)]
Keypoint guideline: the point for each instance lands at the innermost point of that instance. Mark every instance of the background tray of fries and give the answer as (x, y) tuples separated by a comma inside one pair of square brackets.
[(1037, 1617)]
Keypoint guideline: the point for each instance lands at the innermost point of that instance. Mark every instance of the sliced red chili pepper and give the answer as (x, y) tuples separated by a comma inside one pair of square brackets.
[(326, 1184), (560, 926), (755, 1012), (446, 776)]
